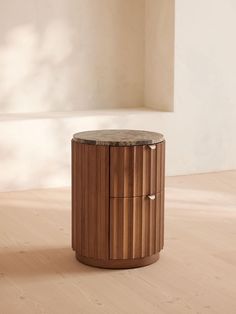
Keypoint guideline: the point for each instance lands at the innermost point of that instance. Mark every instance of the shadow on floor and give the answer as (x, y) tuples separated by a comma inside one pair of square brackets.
[(35, 262)]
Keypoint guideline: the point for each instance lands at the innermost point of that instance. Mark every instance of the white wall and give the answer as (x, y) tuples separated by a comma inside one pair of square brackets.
[(205, 71), (200, 133), (61, 55)]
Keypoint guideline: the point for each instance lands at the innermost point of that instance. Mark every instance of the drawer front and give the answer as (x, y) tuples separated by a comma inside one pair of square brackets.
[(137, 170), (136, 226)]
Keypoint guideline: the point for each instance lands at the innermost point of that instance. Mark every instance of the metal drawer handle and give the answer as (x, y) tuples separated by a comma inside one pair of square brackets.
[(152, 197), (152, 146)]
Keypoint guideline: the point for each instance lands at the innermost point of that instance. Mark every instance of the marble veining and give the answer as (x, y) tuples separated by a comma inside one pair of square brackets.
[(118, 137)]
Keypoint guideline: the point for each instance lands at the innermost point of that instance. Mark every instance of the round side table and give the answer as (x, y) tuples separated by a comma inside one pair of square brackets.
[(118, 197)]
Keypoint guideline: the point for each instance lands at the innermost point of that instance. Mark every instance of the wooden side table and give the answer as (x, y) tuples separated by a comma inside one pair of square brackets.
[(118, 197)]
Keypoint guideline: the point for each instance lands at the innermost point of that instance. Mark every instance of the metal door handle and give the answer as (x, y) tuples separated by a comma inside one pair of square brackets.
[(152, 197), (152, 146)]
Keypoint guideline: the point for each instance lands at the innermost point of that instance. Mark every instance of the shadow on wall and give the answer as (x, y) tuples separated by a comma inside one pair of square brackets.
[(61, 55), (35, 72)]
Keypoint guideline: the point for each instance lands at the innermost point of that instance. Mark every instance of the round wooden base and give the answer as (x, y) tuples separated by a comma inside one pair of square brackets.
[(118, 263)]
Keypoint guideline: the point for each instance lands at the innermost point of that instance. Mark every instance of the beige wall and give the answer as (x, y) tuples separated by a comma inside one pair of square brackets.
[(159, 54), (59, 55)]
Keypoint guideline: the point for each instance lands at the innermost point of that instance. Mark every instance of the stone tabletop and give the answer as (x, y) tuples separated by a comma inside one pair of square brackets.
[(118, 137)]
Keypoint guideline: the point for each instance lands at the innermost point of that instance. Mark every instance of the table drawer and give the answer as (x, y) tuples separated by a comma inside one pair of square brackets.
[(137, 170), (136, 226)]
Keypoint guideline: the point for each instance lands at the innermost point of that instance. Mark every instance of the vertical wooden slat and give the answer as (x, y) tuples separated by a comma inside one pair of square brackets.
[(133, 226), (124, 174), (143, 171), (99, 217), (125, 232), (158, 167), (162, 221), (162, 166), (76, 202), (113, 229), (158, 223), (163, 193), (133, 171), (138, 173), (84, 209), (147, 174), (73, 196), (120, 229), (78, 199), (147, 228), (91, 199), (137, 232), (152, 169), (143, 228), (104, 204), (152, 209)]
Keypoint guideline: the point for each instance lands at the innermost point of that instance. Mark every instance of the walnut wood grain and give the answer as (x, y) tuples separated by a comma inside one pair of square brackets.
[(114, 223), (90, 200), (136, 170), (135, 227)]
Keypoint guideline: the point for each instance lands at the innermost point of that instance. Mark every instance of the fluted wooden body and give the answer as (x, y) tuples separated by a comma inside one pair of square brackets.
[(114, 222), (90, 200)]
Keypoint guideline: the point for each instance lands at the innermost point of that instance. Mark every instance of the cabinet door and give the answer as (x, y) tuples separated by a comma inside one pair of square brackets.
[(136, 170), (136, 227)]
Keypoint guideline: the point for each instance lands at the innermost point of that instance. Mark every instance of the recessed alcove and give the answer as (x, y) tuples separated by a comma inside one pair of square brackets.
[(87, 55)]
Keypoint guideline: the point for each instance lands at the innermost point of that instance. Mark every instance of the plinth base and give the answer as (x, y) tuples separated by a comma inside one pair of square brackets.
[(118, 263)]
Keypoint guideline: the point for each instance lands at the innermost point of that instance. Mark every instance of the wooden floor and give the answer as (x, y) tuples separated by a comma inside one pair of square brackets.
[(195, 274)]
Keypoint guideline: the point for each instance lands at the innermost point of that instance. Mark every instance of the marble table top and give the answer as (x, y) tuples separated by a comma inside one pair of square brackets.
[(118, 137)]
